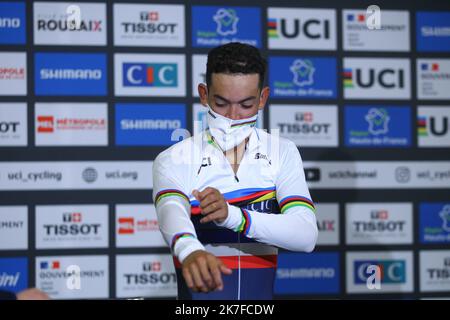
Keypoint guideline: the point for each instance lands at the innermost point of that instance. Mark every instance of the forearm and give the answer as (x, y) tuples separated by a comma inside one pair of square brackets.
[(295, 230), (177, 228)]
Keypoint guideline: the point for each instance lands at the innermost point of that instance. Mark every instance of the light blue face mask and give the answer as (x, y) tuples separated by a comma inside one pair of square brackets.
[(228, 133)]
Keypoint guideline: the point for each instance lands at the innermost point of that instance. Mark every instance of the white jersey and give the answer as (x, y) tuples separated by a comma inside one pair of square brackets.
[(269, 206)]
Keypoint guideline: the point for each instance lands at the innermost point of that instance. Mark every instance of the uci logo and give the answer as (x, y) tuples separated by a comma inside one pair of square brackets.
[(367, 78), (311, 28)]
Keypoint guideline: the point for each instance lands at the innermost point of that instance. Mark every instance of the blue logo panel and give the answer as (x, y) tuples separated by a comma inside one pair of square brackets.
[(213, 25), (13, 274), (434, 222), (72, 74), (148, 124), (377, 126), (303, 77), (12, 23), (432, 30), (302, 273)]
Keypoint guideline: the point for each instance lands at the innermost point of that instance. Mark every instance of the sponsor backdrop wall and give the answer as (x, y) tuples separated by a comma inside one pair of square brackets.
[(83, 113)]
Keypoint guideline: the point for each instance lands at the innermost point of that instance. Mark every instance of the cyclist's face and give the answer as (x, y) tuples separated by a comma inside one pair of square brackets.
[(235, 96)]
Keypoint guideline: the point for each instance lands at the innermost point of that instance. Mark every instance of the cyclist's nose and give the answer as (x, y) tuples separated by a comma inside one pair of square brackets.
[(233, 112)]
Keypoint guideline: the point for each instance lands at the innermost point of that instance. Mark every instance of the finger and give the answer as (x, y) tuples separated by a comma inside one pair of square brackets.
[(198, 282), (217, 276), (210, 198), (218, 215), (195, 194), (224, 268), (205, 274), (188, 278), (207, 191), (213, 207)]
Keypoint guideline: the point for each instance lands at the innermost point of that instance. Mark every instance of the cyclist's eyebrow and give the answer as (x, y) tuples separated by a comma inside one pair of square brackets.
[(228, 101)]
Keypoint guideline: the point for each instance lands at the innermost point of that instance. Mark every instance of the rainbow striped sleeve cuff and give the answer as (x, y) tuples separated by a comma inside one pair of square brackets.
[(179, 236), (296, 201), (246, 223), (170, 193)]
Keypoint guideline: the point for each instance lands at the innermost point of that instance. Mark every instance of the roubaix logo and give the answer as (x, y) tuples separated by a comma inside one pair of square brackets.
[(69, 24)]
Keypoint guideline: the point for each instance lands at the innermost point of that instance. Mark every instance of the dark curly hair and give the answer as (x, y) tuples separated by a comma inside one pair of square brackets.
[(235, 58)]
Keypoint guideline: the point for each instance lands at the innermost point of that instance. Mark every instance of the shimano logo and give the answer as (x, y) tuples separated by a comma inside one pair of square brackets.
[(150, 124), (71, 74), (435, 31), (317, 273), (12, 23), (9, 280)]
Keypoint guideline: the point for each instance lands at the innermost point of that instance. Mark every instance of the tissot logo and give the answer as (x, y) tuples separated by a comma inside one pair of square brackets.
[(149, 25), (375, 223), (73, 217), (434, 270), (307, 126), (149, 275), (9, 127)]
